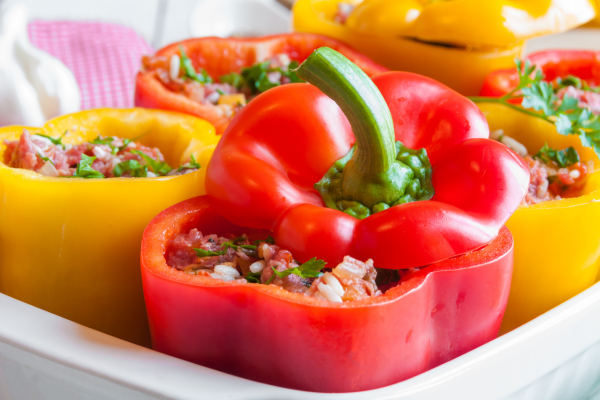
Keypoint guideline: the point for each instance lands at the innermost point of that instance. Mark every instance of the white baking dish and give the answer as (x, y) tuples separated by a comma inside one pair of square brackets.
[(42, 356)]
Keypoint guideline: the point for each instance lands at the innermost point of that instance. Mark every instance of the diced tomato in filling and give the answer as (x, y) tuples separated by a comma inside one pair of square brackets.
[(40, 154), (230, 259), (548, 181)]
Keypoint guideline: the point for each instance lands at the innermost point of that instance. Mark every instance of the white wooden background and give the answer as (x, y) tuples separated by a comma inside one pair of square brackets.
[(164, 21)]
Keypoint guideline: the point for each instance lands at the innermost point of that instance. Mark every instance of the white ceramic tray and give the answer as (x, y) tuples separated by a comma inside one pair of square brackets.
[(554, 357), (45, 357)]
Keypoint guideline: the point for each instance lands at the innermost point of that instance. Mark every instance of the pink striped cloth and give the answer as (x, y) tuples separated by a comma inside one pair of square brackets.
[(103, 57)]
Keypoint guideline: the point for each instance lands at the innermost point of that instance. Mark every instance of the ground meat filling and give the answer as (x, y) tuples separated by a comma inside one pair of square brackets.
[(231, 92), (106, 157), (548, 180), (230, 259), (589, 99)]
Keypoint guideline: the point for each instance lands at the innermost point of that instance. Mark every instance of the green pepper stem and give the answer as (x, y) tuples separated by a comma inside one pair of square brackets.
[(361, 102)]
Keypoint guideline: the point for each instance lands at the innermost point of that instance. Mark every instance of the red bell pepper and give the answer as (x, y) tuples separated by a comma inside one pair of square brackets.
[(267, 334), (554, 64), (220, 56), (263, 171)]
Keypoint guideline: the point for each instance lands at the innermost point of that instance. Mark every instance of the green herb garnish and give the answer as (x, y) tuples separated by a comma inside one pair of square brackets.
[(208, 253), (539, 100), (158, 167), (576, 82), (310, 269), (136, 169), (189, 70), (46, 159), (127, 141), (190, 165), (256, 77), (224, 247), (193, 163), (253, 277), (563, 158), (233, 79), (268, 240), (125, 144), (57, 142), (99, 140), (106, 141), (85, 170)]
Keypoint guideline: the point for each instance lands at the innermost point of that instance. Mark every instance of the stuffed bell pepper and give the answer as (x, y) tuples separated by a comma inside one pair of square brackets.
[(596, 22), (213, 78), (77, 194), (455, 42), (352, 236), (548, 110)]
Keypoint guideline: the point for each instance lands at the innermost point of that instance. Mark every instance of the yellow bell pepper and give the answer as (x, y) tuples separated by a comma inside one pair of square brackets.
[(71, 246), (557, 247), (455, 42), (596, 22)]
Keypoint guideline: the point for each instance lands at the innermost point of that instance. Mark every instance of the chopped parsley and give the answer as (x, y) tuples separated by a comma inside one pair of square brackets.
[(539, 99), (46, 159), (85, 170), (108, 141), (160, 168), (134, 168), (253, 277), (201, 253), (100, 141), (190, 71), (190, 165), (256, 77), (562, 158), (233, 79), (577, 83), (224, 247), (193, 163), (310, 269), (269, 240), (57, 142)]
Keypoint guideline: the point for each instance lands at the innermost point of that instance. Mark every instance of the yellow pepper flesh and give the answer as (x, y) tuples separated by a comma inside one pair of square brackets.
[(557, 249), (71, 246), (497, 23), (455, 42), (596, 21)]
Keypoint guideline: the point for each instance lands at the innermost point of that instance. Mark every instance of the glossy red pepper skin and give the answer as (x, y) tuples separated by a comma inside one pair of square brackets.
[(554, 64), (264, 168), (267, 334), (220, 56)]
